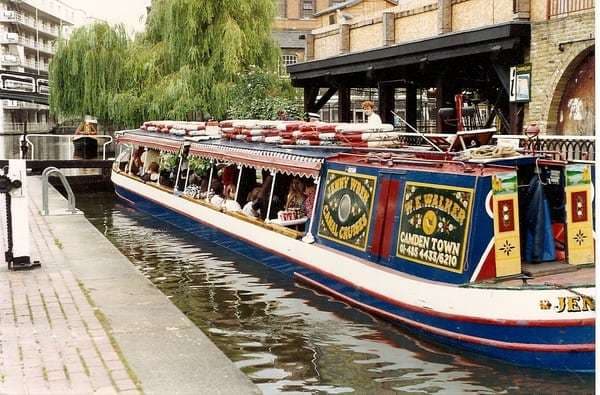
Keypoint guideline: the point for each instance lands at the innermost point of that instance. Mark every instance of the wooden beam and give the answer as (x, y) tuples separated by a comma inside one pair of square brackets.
[(325, 98)]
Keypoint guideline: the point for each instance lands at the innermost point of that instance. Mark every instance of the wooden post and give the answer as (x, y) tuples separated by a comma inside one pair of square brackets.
[(345, 111), (411, 105), (386, 102)]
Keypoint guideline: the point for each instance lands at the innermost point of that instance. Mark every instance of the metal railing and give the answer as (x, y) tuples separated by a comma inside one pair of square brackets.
[(71, 209), (567, 147), (69, 137), (32, 127), (565, 7)]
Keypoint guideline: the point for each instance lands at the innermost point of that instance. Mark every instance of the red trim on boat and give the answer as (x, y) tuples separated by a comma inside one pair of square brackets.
[(380, 214), (388, 233), (456, 317), (589, 347)]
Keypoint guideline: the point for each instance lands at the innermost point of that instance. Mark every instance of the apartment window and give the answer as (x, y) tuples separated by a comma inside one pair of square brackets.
[(308, 8), (282, 8)]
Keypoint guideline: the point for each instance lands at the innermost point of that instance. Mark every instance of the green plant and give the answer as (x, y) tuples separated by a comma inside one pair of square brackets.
[(186, 63), (199, 166), (168, 161), (261, 94)]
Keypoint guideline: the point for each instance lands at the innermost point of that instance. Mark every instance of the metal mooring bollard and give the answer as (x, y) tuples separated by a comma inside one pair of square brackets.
[(14, 221)]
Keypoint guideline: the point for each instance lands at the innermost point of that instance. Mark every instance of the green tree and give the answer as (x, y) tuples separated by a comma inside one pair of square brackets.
[(186, 62), (261, 94), (87, 71)]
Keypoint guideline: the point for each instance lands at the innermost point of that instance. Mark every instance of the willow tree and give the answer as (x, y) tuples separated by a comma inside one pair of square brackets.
[(202, 47), (187, 61), (88, 70)]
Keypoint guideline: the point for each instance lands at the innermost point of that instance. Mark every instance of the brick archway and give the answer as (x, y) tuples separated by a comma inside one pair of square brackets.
[(574, 57)]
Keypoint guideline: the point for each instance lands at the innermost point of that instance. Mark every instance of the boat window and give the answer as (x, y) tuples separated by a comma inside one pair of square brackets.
[(168, 165), (122, 160)]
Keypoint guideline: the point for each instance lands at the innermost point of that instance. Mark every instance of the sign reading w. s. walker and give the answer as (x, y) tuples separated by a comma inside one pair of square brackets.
[(346, 212), (434, 225)]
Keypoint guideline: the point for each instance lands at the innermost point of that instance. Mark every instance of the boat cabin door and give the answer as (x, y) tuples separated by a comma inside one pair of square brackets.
[(386, 214)]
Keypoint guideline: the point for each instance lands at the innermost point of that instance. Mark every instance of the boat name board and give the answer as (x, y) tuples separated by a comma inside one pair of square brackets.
[(570, 304), (346, 210), (434, 225)]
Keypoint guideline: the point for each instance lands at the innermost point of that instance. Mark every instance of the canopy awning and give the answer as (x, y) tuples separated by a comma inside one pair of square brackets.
[(281, 162), (158, 143)]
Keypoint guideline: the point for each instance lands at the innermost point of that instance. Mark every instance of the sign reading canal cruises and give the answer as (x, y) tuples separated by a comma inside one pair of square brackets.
[(434, 225), (346, 212)]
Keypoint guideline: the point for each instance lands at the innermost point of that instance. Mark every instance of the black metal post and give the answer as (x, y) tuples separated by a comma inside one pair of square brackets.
[(24, 146)]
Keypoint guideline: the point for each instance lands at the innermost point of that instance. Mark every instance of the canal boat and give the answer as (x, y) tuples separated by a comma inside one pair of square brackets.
[(85, 143), (493, 256)]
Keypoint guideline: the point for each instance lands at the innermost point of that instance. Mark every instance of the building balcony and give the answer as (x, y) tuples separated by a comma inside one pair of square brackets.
[(22, 105), (17, 39), (29, 22), (561, 8)]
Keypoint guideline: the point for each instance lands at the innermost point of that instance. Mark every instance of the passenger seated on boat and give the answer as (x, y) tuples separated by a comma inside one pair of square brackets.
[(230, 203), (153, 173), (309, 198), (265, 194), (252, 207), (217, 199), (137, 165), (295, 197)]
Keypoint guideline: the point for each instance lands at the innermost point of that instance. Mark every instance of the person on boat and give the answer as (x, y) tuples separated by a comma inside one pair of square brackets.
[(252, 206), (309, 198), (295, 196), (217, 199), (369, 108), (230, 203), (153, 172), (265, 195)]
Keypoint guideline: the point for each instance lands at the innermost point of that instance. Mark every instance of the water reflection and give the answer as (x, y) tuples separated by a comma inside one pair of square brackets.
[(287, 338)]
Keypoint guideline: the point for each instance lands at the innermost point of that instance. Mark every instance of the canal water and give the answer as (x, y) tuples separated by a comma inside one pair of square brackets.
[(289, 339)]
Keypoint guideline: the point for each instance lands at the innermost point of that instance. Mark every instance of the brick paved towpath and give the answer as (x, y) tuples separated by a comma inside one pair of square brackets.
[(75, 327)]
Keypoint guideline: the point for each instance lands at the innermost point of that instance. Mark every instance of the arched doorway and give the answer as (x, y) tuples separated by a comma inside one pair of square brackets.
[(576, 109)]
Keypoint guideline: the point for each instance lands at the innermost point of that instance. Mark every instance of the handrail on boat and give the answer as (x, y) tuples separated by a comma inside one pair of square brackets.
[(70, 137), (70, 195)]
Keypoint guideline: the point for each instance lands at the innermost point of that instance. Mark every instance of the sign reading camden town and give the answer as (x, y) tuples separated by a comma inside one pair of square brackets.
[(434, 225), (346, 211)]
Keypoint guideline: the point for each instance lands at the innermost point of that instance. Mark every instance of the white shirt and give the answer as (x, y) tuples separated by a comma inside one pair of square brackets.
[(217, 201), (247, 210), (232, 205), (374, 119)]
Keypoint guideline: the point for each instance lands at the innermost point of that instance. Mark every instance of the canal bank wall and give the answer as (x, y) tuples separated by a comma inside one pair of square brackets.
[(159, 348)]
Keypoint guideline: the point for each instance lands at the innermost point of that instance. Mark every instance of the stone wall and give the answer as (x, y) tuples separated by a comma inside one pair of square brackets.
[(557, 47)]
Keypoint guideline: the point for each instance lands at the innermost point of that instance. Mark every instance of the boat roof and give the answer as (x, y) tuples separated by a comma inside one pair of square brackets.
[(298, 162), (421, 161)]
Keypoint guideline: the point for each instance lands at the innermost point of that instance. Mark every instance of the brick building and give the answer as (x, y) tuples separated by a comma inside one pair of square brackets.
[(418, 49)]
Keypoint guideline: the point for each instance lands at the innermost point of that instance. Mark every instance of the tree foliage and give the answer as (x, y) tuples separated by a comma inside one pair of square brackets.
[(188, 61), (261, 94)]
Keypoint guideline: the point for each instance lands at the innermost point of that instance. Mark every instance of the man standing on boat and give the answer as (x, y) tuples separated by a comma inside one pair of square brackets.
[(369, 108)]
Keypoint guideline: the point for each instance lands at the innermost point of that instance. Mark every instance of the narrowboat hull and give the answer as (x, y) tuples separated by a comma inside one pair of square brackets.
[(506, 324)]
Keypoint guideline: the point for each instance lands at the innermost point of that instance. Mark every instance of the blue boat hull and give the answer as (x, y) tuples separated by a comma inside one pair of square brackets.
[(523, 345)]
